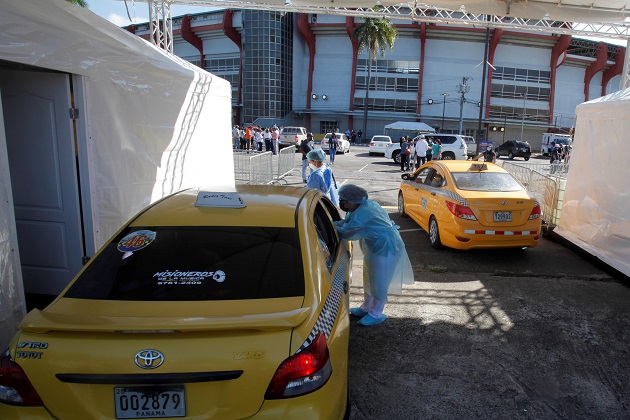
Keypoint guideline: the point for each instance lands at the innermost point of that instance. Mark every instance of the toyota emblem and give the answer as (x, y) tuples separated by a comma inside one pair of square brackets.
[(504, 203), (149, 359)]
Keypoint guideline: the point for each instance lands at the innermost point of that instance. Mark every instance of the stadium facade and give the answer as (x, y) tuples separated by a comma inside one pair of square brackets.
[(305, 69)]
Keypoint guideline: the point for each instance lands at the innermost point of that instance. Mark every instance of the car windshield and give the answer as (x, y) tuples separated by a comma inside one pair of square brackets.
[(486, 181), (195, 263)]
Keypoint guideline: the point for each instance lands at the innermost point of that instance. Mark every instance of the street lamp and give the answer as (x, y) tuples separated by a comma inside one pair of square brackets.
[(523, 117), (444, 95)]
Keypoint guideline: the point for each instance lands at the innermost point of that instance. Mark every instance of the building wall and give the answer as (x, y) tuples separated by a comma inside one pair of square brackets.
[(451, 53)]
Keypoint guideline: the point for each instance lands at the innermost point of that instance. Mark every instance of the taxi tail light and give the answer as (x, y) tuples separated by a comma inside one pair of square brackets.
[(460, 211), (15, 388), (302, 373), (535, 214)]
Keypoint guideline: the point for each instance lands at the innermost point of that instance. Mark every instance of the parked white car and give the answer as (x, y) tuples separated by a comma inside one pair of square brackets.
[(472, 146), (344, 143), (291, 136), (454, 147), (378, 144)]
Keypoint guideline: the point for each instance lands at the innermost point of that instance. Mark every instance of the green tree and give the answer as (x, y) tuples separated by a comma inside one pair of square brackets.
[(81, 3), (374, 35)]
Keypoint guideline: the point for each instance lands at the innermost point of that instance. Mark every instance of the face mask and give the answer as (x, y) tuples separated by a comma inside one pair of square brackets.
[(344, 206), (313, 167)]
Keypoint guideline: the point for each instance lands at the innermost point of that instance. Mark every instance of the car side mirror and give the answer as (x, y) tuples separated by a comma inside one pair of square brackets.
[(406, 176)]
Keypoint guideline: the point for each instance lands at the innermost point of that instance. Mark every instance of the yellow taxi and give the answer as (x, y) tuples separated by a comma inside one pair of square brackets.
[(466, 205), (206, 305)]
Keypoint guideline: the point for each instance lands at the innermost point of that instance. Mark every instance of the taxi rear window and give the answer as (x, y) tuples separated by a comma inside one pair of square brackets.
[(486, 181), (195, 263)]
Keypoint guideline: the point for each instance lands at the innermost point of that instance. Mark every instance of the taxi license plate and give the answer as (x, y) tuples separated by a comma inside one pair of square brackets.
[(150, 401), (502, 216)]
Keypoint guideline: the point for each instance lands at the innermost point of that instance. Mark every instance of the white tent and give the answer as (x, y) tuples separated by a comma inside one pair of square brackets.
[(96, 124), (594, 212), (417, 127)]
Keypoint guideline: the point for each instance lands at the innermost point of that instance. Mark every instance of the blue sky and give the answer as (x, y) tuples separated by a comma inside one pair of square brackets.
[(116, 12)]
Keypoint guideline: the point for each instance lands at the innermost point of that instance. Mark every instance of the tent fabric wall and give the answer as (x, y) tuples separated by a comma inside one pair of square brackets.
[(596, 200), (153, 123)]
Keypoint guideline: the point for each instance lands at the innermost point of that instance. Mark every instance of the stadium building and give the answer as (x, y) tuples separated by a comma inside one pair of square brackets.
[(305, 69)]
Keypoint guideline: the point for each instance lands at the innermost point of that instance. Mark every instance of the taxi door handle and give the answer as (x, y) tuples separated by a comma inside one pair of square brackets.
[(346, 287), (433, 193)]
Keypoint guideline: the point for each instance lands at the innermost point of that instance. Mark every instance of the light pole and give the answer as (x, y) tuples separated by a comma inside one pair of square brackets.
[(444, 95), (523, 117)]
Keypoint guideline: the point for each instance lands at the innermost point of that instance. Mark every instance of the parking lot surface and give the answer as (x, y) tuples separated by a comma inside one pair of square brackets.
[(538, 333)]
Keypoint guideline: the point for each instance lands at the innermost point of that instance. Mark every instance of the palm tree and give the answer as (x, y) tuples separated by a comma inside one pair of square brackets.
[(373, 35), (81, 3)]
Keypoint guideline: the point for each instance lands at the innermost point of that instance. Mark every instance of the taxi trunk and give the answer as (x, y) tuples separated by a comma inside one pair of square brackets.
[(110, 365)]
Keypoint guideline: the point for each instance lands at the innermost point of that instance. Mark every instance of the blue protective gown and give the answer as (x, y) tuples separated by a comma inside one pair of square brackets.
[(386, 265), (321, 179)]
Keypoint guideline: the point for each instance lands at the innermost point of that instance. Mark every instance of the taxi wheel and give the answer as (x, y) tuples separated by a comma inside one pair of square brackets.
[(434, 233), (401, 205)]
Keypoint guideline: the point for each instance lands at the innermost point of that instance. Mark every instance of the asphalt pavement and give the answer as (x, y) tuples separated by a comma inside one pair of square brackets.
[(539, 333)]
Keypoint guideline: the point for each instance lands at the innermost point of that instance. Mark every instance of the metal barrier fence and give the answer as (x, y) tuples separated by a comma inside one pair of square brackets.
[(286, 163), (546, 182), (255, 167)]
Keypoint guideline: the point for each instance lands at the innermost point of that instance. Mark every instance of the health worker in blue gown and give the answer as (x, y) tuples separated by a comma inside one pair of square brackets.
[(386, 265)]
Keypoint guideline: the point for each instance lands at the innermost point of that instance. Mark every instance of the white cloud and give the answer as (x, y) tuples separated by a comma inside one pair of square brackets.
[(121, 20)]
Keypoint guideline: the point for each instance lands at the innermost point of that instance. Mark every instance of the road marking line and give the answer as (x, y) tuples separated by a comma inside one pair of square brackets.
[(364, 167)]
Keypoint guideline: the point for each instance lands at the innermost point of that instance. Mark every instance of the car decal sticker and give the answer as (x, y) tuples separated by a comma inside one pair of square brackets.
[(328, 315), (439, 191), (136, 240), (176, 277)]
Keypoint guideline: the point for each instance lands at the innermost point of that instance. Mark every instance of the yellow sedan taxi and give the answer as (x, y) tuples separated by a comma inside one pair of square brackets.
[(206, 305), (466, 205)]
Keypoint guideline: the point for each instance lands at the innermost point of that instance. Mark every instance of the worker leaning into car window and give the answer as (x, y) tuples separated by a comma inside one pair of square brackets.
[(386, 265)]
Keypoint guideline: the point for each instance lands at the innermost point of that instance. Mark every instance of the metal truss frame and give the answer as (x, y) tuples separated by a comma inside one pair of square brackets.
[(162, 30), (161, 24)]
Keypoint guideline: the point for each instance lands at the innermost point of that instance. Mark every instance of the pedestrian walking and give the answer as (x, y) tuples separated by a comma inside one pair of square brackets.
[(333, 144), (305, 147), (422, 148)]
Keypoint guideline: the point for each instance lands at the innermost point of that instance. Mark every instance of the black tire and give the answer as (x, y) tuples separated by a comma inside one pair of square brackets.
[(527, 158), (434, 233), (448, 156), (396, 156), (401, 205), (510, 155)]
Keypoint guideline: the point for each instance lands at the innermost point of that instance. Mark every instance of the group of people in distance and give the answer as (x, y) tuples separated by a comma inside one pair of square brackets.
[(254, 137)]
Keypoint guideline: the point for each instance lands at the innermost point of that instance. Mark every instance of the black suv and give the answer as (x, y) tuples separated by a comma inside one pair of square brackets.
[(514, 148)]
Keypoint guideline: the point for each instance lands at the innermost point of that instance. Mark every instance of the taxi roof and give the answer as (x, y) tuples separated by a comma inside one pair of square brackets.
[(265, 205), (467, 165)]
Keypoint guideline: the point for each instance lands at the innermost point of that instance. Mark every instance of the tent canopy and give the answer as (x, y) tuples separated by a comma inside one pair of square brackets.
[(418, 127)]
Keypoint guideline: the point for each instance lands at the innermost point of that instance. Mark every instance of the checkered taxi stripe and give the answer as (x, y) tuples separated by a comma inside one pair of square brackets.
[(501, 232), (328, 315)]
